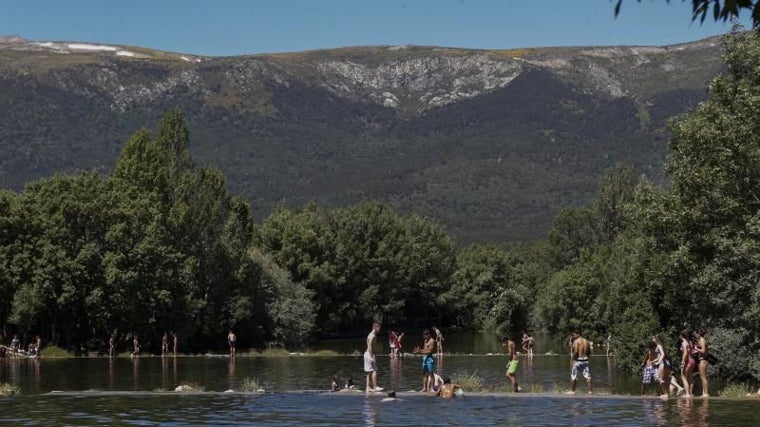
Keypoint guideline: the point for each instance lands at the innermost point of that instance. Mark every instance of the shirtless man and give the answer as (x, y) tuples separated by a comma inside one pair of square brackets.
[(370, 365), (448, 390), (111, 346), (428, 360), (231, 340), (509, 347), (580, 352)]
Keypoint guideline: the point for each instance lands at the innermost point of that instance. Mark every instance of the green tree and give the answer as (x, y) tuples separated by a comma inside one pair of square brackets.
[(706, 225), (720, 10)]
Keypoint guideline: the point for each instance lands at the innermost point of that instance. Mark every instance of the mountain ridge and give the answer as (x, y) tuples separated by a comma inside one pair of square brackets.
[(491, 143)]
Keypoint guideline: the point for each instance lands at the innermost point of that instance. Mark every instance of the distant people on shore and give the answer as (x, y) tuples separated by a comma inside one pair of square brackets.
[(111, 346), (176, 344), (15, 344)]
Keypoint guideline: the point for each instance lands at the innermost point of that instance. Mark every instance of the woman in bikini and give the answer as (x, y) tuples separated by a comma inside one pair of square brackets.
[(662, 364), (703, 350), (687, 363)]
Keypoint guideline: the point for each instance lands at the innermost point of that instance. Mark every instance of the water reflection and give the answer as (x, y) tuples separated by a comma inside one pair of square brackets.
[(135, 373), (370, 413), (231, 374), (653, 411), (693, 413)]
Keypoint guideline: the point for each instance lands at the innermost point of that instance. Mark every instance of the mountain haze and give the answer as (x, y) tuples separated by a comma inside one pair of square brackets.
[(490, 143)]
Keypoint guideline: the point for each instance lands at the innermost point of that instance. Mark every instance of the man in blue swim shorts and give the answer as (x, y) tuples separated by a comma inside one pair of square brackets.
[(428, 360)]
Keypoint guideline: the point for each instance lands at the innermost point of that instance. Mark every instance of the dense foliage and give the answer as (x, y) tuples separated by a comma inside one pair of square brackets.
[(159, 246)]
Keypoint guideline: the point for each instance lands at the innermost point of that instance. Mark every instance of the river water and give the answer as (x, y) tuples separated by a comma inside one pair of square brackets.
[(138, 391)]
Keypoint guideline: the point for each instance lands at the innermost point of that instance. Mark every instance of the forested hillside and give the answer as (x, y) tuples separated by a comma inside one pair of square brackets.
[(490, 143)]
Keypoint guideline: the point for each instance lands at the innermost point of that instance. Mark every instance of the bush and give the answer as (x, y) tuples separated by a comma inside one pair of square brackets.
[(469, 382), (7, 389), (250, 384)]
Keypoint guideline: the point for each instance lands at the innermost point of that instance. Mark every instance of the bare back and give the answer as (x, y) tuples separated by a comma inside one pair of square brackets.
[(581, 348)]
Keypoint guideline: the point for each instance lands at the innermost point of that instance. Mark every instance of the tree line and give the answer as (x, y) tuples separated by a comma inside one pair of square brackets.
[(159, 246)]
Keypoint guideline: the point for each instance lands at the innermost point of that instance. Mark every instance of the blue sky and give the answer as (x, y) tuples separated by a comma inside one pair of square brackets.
[(236, 27)]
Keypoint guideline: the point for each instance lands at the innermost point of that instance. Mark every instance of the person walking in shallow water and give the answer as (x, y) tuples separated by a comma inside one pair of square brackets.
[(579, 361), (509, 348), (370, 364)]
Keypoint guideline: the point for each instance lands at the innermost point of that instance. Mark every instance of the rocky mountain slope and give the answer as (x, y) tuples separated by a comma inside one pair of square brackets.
[(491, 143)]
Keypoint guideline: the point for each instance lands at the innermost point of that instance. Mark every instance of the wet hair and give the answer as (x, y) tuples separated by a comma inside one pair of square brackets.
[(426, 332), (700, 331), (391, 393), (686, 334), (447, 380), (505, 338)]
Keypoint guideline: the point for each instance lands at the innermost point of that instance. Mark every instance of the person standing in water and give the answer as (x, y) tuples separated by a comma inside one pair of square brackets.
[(438, 340), (579, 361), (231, 340), (688, 364), (427, 350), (164, 344), (370, 363), (509, 348), (135, 346), (703, 350)]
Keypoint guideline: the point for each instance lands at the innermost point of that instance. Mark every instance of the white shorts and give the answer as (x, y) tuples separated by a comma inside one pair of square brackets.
[(580, 366), (369, 363)]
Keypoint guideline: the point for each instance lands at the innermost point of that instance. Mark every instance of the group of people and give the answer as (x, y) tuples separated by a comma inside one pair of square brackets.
[(34, 349), (137, 348), (432, 346), (659, 368)]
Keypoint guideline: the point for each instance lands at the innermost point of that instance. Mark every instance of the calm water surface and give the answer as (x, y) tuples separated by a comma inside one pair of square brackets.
[(125, 391)]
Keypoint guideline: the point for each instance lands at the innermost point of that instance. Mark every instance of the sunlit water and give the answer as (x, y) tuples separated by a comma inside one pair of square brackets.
[(137, 391)]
